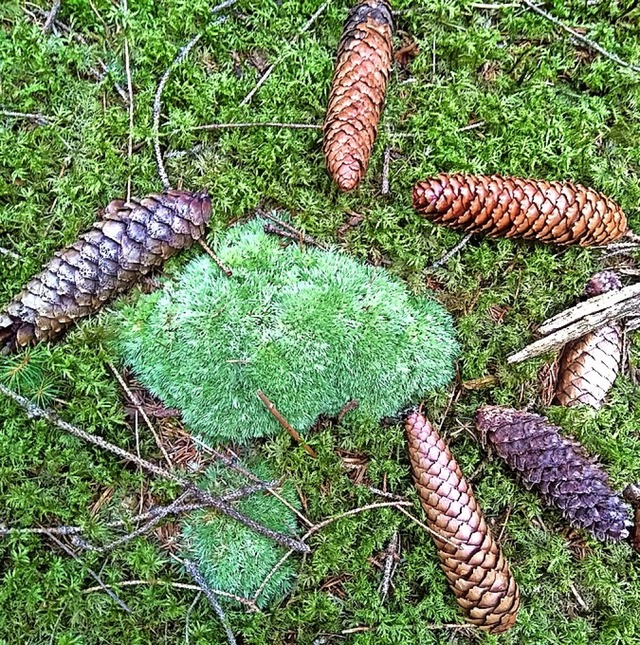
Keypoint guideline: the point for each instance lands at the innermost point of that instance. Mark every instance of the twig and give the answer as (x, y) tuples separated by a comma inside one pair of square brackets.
[(138, 405), (583, 39), (48, 23), (349, 406), (192, 569), (471, 126), (92, 573), (285, 424), (389, 561), (261, 81), (300, 236), (9, 253), (385, 171), (157, 107), (53, 530), (263, 124), (450, 253), (37, 118), (590, 306), (221, 265), (272, 229), (235, 465), (36, 412), (223, 5), (127, 67)]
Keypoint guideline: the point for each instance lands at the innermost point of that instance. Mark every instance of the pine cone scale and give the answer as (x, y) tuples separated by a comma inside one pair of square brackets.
[(554, 212), (477, 572), (128, 242)]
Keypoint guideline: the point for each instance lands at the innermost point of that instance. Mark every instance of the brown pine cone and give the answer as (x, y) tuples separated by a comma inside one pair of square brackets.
[(477, 572), (558, 468), (545, 211), (363, 65), (589, 365), (132, 239)]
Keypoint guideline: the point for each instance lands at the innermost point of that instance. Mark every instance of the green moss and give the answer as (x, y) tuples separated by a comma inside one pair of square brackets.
[(312, 329), (233, 558)]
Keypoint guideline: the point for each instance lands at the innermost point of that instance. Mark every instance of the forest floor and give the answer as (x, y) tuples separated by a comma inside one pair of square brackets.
[(480, 88)]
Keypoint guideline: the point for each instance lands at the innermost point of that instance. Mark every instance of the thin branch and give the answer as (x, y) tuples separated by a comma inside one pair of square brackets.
[(247, 99), (450, 253), (48, 23), (36, 412), (37, 118), (223, 5), (389, 561), (591, 44), (263, 124), (300, 236), (53, 530), (92, 573), (385, 171), (138, 405), (127, 67), (9, 253), (285, 424), (221, 265), (157, 107), (192, 569)]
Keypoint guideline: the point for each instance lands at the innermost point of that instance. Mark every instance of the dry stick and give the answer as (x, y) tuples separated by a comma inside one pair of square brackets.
[(9, 253), (590, 306), (272, 229), (302, 237), (36, 412), (127, 68), (315, 528), (138, 405), (247, 99), (450, 253), (193, 570), (157, 108), (385, 171), (583, 39), (48, 23), (158, 512), (589, 323), (235, 465), (223, 5), (264, 124), (177, 585), (389, 560), (37, 118), (285, 424), (221, 265), (92, 573)]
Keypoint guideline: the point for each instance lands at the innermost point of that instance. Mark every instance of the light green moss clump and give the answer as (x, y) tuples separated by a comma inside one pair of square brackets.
[(312, 329), (232, 557)]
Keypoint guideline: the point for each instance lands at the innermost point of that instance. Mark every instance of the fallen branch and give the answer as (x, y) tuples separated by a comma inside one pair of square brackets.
[(299, 235), (588, 307), (9, 253), (221, 265), (385, 171), (262, 80), (560, 338), (390, 559), (450, 253), (157, 108), (37, 118), (224, 507), (127, 67), (48, 23), (264, 124), (138, 405), (92, 573), (192, 569), (591, 44), (285, 424)]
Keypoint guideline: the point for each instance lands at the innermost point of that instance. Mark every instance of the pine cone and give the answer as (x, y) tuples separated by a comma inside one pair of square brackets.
[(545, 211), (132, 239), (589, 365), (558, 468), (363, 65), (476, 570)]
